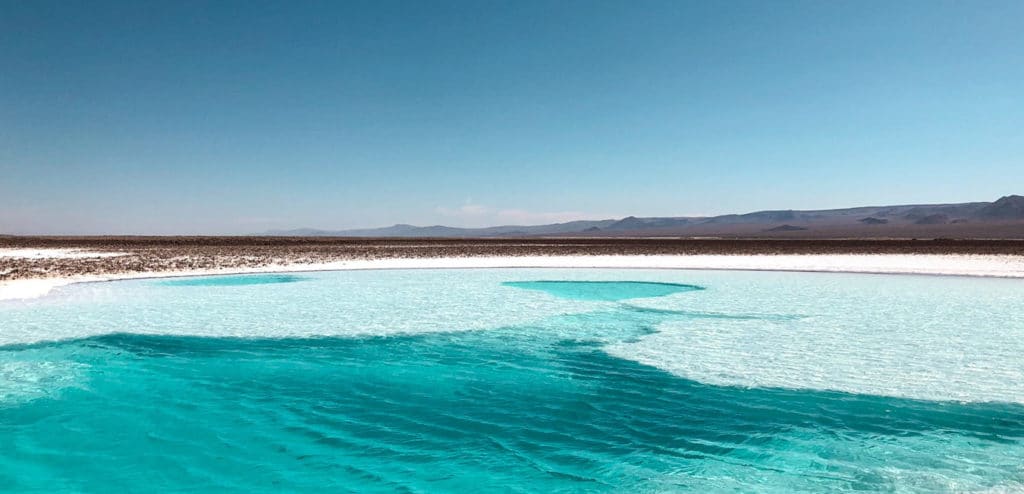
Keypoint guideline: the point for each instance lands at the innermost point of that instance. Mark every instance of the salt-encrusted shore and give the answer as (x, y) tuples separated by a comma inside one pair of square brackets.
[(1004, 266)]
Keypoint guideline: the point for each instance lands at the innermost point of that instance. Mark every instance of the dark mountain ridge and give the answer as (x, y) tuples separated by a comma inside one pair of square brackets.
[(1003, 218), (1008, 207)]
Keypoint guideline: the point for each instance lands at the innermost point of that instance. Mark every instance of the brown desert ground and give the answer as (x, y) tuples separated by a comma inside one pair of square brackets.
[(153, 254)]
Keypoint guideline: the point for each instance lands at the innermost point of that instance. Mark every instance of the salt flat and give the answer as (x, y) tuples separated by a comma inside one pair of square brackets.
[(1003, 266)]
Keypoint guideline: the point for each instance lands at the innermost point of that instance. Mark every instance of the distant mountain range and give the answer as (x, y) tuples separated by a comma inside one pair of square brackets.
[(1003, 218)]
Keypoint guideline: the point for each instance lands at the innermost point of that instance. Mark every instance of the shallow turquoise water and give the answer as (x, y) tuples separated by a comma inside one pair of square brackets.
[(410, 382), (603, 290), (240, 280)]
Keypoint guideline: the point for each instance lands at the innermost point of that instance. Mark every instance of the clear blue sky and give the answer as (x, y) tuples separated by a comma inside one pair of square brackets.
[(220, 117)]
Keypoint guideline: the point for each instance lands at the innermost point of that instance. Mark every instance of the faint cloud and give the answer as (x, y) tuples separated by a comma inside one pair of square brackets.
[(467, 210), (258, 220), (472, 214), (523, 216)]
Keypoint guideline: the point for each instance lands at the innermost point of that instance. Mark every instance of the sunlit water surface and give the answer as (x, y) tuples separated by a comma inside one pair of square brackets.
[(516, 380)]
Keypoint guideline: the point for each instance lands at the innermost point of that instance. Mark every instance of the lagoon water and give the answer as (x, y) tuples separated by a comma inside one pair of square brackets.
[(516, 381)]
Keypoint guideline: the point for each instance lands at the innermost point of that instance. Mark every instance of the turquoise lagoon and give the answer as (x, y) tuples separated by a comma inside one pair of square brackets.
[(516, 381)]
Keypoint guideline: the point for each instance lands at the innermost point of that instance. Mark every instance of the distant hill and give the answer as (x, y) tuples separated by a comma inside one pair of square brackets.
[(932, 219), (1003, 218), (786, 228), (402, 230), (1007, 208)]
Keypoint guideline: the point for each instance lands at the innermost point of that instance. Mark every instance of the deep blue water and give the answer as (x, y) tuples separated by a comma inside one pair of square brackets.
[(450, 412)]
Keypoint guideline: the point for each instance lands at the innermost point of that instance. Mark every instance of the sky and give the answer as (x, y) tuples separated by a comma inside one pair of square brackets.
[(239, 117)]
